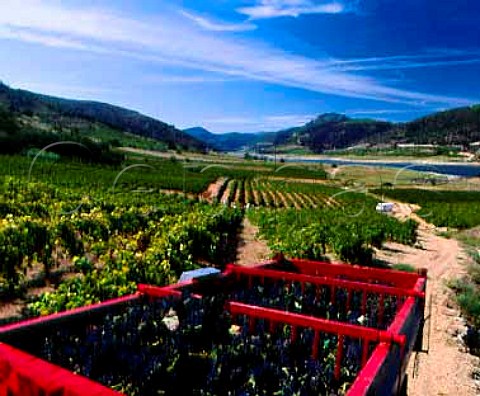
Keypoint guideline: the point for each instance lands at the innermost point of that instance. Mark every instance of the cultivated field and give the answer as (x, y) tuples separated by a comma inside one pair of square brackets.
[(72, 233)]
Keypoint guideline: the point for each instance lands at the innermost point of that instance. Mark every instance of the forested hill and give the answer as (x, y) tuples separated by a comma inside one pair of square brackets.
[(29, 119), (329, 131), (40, 112), (459, 126), (456, 126)]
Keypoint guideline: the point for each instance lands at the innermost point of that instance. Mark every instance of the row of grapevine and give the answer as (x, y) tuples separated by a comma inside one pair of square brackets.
[(349, 232), (157, 254), (148, 174), (265, 193), (112, 241), (456, 209)]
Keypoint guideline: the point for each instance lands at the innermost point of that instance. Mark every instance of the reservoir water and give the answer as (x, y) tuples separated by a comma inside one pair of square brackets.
[(461, 170)]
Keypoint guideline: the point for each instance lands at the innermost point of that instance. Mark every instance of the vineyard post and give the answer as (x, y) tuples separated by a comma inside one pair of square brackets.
[(381, 184), (275, 155)]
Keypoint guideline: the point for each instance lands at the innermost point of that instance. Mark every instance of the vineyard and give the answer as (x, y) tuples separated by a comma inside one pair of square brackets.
[(108, 240), (350, 230), (139, 173), (95, 232), (456, 209), (132, 176), (265, 192)]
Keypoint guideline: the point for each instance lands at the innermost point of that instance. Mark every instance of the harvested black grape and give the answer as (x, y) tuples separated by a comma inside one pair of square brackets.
[(150, 349)]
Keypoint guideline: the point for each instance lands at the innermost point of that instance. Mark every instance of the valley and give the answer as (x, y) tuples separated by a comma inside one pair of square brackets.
[(116, 204)]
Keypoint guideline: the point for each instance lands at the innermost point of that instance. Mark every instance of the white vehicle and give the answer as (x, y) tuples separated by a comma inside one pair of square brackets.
[(384, 207)]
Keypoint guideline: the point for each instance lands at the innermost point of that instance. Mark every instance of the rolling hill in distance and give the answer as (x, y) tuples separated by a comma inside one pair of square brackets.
[(30, 119), (460, 126), (231, 141)]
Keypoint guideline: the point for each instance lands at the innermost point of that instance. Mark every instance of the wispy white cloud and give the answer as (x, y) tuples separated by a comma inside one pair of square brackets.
[(409, 65), (185, 79), (285, 118), (218, 26), (427, 54), (7, 32), (166, 38), (290, 119), (430, 58), (292, 8)]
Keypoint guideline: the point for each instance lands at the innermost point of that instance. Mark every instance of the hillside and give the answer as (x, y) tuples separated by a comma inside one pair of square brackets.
[(459, 126), (29, 119), (38, 113), (456, 126), (330, 131), (229, 141)]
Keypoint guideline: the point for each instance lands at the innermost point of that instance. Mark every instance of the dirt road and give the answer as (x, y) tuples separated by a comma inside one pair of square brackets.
[(446, 369)]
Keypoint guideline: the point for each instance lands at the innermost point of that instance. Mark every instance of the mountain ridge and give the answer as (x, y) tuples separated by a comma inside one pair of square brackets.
[(72, 114), (329, 131), (230, 141), (34, 119)]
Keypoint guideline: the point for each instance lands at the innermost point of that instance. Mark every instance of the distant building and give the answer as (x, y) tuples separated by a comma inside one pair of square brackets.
[(413, 145)]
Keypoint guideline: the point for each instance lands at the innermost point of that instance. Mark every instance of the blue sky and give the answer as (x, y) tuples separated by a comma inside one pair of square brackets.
[(247, 65)]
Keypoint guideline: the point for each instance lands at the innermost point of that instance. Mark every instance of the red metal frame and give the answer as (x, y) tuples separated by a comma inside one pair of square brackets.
[(324, 281), (361, 273), (63, 316), (155, 291), (365, 334), (274, 317), (325, 325), (25, 375), (383, 282), (349, 285), (370, 370)]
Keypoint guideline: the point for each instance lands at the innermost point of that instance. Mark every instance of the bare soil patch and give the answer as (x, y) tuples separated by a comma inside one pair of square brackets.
[(256, 197), (282, 198), (213, 189), (299, 199), (293, 200), (251, 249), (237, 194), (265, 198), (226, 193), (447, 368), (248, 194), (308, 199), (13, 309)]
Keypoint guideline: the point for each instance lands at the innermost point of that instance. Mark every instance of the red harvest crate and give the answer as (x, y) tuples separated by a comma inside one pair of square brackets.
[(314, 304)]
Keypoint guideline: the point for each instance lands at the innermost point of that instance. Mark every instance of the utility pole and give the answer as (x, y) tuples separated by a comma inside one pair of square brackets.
[(275, 155)]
